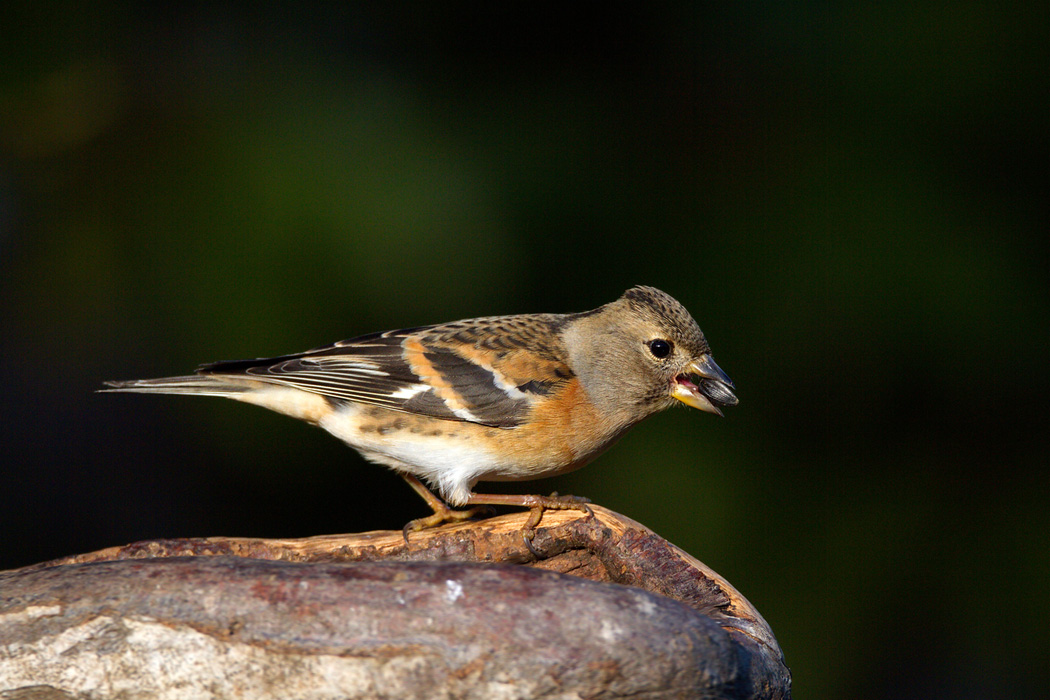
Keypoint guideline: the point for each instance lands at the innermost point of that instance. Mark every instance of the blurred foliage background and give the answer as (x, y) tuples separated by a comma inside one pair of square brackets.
[(851, 198)]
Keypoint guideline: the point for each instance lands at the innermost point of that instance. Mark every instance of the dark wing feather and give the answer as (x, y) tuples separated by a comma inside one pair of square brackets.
[(429, 371), (368, 369)]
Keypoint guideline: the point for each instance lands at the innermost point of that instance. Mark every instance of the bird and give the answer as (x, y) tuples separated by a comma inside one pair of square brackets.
[(497, 398)]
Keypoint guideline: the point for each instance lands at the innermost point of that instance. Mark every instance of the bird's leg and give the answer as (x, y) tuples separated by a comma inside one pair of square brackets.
[(442, 513), (536, 504), (482, 502)]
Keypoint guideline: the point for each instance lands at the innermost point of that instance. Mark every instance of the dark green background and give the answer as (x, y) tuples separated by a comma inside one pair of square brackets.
[(851, 198)]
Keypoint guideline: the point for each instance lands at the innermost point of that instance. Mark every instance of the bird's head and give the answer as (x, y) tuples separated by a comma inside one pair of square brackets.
[(643, 352)]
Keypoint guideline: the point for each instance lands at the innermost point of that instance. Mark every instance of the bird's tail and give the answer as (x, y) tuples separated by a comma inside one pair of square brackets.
[(191, 384)]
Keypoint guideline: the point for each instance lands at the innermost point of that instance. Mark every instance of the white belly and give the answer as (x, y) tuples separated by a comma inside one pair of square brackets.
[(451, 464)]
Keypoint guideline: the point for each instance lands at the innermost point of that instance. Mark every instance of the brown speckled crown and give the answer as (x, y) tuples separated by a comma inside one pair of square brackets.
[(661, 305)]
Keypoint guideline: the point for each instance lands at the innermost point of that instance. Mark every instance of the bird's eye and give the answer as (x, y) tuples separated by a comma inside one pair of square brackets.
[(660, 348)]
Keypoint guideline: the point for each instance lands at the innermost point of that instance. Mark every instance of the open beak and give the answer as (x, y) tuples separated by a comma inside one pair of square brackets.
[(704, 385)]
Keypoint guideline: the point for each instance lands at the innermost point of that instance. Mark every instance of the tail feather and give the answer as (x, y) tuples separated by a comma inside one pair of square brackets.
[(191, 384)]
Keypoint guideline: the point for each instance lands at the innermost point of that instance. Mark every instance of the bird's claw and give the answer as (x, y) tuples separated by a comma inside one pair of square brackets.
[(552, 502), (445, 515)]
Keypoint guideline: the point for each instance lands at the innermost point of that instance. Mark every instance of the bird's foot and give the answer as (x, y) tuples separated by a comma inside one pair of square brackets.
[(444, 514), (552, 502)]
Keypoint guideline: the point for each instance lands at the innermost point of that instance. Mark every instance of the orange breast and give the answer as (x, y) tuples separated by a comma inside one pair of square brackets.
[(563, 433)]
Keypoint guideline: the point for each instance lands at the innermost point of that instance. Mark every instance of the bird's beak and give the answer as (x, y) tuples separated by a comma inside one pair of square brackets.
[(704, 385)]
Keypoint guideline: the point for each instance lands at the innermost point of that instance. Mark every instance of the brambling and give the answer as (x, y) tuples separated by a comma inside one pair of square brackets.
[(501, 398)]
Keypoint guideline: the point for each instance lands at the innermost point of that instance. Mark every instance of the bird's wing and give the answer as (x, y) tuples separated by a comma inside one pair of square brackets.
[(487, 371)]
